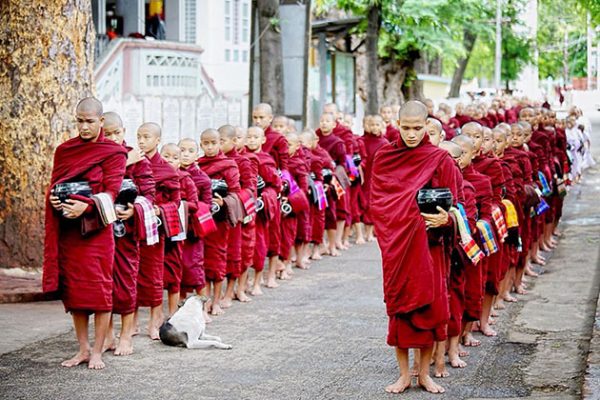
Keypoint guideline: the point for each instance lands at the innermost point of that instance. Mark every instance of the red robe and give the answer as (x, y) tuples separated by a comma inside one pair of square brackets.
[(79, 253), (248, 180), (371, 144), (192, 257), (152, 258), (267, 169), (215, 244), (336, 149), (357, 203), (346, 135), (414, 284), (127, 248), (319, 160), (249, 229), (303, 231), (392, 134), (277, 147), (289, 224)]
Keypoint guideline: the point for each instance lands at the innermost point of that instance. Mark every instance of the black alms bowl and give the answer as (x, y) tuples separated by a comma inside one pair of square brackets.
[(219, 186), (128, 193), (66, 189), (429, 199)]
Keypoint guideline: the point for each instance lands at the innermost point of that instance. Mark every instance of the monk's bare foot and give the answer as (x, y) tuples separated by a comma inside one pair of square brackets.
[(470, 341), (284, 276), (96, 362), (456, 362), (440, 371), (545, 248), (271, 284), (360, 240), (536, 260), (414, 371), (302, 265), (520, 289), (462, 352), (557, 233), (347, 244), (509, 298), (428, 384), (226, 302), (340, 246), (136, 331), (400, 385), (217, 310), (109, 345), (494, 313), (500, 305), (242, 297), (487, 331), (530, 272), (316, 256), (207, 317), (334, 253), (153, 333), (475, 327), (491, 321), (79, 358), (125, 347), (256, 291)]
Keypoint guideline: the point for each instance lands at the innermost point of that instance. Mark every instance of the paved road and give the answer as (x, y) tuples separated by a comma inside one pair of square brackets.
[(322, 336)]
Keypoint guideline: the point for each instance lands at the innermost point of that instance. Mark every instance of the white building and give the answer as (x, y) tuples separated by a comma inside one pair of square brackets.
[(194, 77)]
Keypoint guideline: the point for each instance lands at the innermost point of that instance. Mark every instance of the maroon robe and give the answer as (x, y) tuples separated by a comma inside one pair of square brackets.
[(215, 244), (414, 284), (289, 223), (152, 258), (79, 253), (192, 257), (249, 229), (277, 147), (346, 135), (127, 249), (336, 149), (303, 231), (392, 134), (371, 144), (357, 203), (319, 159)]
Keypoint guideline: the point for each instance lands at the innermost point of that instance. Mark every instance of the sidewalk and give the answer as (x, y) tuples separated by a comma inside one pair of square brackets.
[(20, 286)]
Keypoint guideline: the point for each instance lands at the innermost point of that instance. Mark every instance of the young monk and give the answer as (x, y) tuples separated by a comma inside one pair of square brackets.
[(418, 310), (217, 166), (392, 134), (280, 124), (356, 195), (435, 131), (246, 195), (168, 197), (373, 140), (486, 163), (79, 247), (174, 246), (304, 230), (192, 254), (334, 220), (267, 170), (127, 251), (289, 225), (249, 225)]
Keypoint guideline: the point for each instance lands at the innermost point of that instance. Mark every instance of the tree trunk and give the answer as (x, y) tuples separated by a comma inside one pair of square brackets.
[(412, 88), (373, 25), (47, 52), (271, 56), (469, 39), (392, 73)]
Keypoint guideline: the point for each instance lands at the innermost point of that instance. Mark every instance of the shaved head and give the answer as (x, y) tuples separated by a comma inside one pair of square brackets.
[(228, 131), (152, 128), (90, 105), (435, 123), (471, 127), (464, 142), (112, 119), (264, 107), (452, 148), (209, 133), (413, 109), (256, 130), (171, 147), (187, 141), (330, 108)]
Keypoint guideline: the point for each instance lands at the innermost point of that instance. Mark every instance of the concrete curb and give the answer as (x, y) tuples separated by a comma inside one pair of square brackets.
[(591, 382), (19, 286)]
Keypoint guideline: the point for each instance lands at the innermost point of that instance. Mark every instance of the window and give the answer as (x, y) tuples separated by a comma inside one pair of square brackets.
[(245, 56), (227, 29), (227, 55), (245, 10), (245, 30), (227, 7), (236, 55), (190, 21), (236, 21)]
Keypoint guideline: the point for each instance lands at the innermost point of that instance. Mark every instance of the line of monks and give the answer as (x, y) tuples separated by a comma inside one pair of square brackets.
[(208, 211)]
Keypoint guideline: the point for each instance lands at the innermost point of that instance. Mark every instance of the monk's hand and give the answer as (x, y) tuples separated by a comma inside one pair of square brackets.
[(156, 211), (74, 208), (125, 214), (55, 202), (218, 199), (325, 187), (134, 156), (436, 220)]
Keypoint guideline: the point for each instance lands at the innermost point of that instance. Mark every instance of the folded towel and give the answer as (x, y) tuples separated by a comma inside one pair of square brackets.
[(106, 208), (466, 242), (146, 220)]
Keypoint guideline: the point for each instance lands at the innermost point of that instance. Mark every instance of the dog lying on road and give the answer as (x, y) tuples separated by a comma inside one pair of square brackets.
[(187, 327)]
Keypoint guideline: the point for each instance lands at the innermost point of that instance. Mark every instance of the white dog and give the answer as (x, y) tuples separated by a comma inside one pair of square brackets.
[(187, 327)]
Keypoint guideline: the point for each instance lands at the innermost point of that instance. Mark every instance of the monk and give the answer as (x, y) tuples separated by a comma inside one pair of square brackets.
[(280, 124), (267, 171), (435, 131), (411, 243), (174, 246), (392, 134), (229, 142), (192, 253), (168, 197), (249, 225), (289, 225), (373, 139), (304, 229), (334, 219), (79, 246), (218, 166), (127, 251)]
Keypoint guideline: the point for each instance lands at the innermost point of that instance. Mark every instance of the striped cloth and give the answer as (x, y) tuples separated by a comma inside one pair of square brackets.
[(498, 218), (171, 223), (106, 207), (546, 190), (542, 207), (487, 237), (183, 212), (144, 208), (203, 222), (512, 220), (339, 190), (467, 243), (352, 169), (321, 196)]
